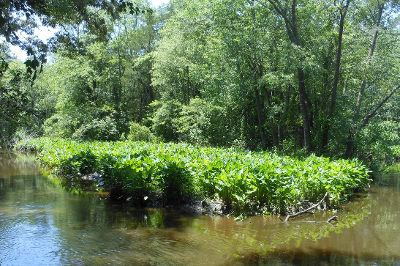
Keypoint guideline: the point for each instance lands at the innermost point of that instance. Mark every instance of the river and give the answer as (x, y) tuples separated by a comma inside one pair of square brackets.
[(43, 224)]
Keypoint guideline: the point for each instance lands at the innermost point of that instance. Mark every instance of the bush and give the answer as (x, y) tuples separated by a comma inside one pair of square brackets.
[(62, 126), (201, 123), (99, 129), (193, 122), (164, 120), (138, 132), (84, 123), (377, 142)]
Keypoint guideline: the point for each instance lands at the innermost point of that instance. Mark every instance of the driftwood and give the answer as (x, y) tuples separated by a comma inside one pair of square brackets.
[(333, 218), (308, 210)]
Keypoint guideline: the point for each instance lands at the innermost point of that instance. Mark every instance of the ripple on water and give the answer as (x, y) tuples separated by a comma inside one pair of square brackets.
[(41, 224)]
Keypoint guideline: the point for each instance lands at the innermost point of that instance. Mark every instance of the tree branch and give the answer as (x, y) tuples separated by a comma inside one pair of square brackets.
[(370, 115), (307, 210), (281, 11), (333, 218)]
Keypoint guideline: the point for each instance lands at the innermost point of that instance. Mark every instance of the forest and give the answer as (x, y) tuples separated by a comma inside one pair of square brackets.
[(295, 77)]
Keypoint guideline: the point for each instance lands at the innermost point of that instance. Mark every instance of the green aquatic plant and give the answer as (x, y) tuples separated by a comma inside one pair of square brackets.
[(245, 181)]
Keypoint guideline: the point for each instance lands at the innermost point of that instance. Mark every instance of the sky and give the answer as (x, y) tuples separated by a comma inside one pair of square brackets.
[(157, 3), (45, 33)]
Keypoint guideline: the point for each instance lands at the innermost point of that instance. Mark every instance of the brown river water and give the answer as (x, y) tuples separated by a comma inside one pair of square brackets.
[(42, 224)]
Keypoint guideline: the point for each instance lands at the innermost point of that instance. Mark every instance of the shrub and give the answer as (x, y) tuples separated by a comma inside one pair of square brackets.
[(99, 129), (203, 123), (376, 144), (138, 132), (84, 123), (164, 120)]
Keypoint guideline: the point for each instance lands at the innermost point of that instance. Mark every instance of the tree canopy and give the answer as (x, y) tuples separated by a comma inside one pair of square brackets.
[(309, 76)]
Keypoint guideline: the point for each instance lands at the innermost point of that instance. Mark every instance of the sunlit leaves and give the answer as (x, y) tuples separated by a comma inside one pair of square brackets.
[(244, 180)]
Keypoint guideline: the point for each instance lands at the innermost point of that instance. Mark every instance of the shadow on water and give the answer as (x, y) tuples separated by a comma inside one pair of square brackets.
[(314, 256)]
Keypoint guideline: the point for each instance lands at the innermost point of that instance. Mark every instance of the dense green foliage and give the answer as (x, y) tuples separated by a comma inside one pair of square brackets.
[(298, 77), (16, 105), (244, 180), (138, 132)]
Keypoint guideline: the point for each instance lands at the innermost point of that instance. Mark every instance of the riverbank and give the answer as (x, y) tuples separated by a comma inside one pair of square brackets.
[(160, 174)]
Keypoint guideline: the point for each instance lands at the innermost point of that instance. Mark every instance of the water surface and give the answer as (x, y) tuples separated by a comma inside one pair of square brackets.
[(42, 224)]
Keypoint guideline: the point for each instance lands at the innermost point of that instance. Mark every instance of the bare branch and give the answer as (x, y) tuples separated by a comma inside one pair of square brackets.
[(307, 210)]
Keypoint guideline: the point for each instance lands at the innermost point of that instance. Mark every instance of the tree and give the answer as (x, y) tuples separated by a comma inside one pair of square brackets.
[(15, 110), (288, 11), (109, 85), (373, 21), (26, 15)]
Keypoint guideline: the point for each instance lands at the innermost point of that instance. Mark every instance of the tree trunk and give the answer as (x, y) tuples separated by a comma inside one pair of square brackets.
[(272, 127), (261, 118), (325, 135), (349, 145), (289, 16), (350, 139), (370, 54), (304, 110)]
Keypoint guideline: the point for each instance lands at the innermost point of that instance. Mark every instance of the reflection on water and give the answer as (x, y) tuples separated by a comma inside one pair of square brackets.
[(42, 224)]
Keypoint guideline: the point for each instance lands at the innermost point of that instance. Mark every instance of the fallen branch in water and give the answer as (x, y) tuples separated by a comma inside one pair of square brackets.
[(329, 221), (307, 210), (333, 218)]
